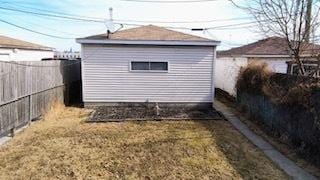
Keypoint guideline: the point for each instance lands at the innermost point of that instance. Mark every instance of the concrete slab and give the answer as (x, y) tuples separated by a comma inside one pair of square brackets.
[(284, 163), (4, 140)]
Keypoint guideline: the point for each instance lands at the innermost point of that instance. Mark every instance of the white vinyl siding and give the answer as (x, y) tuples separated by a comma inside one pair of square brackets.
[(7, 54), (227, 70), (278, 66), (107, 75)]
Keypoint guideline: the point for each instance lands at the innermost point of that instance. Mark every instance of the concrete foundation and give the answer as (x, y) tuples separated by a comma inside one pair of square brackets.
[(193, 105)]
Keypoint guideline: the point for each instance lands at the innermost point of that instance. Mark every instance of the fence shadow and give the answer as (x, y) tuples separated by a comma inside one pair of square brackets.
[(71, 71), (243, 156)]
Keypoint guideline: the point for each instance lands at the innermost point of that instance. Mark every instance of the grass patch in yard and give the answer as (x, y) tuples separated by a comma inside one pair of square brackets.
[(280, 144), (63, 146)]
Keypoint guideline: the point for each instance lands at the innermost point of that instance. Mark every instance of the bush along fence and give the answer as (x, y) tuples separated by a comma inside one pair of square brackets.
[(287, 106), (28, 89)]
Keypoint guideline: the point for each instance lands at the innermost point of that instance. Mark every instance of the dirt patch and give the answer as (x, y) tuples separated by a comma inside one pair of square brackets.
[(61, 146), (136, 113)]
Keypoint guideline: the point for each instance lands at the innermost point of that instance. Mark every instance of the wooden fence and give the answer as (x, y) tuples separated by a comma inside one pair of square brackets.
[(28, 89)]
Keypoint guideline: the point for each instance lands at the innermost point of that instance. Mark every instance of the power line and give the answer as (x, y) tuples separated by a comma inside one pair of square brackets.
[(170, 27), (130, 20), (20, 2), (232, 25), (74, 18), (46, 27), (52, 15), (30, 30), (222, 27), (232, 28), (60, 37), (171, 1), (180, 22), (56, 12), (100, 21)]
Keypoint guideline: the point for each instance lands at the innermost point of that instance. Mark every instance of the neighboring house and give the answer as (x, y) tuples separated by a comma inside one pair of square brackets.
[(70, 55), (147, 64), (311, 67), (274, 51), (18, 50)]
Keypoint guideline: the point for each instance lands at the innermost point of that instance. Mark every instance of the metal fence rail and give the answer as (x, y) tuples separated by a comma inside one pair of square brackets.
[(27, 89)]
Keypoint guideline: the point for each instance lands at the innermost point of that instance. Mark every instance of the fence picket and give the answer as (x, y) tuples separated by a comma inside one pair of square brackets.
[(27, 89)]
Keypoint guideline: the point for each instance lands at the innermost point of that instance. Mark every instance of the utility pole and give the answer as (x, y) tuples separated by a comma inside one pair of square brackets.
[(111, 14), (308, 20), (109, 23)]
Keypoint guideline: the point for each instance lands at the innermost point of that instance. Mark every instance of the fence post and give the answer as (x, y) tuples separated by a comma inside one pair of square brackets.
[(30, 110), (12, 132), (30, 93), (39, 81)]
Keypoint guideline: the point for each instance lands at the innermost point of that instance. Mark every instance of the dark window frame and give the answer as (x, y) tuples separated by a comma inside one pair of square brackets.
[(166, 69)]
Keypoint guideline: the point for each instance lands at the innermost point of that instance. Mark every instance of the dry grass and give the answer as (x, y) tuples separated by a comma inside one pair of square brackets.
[(253, 78), (283, 147), (62, 146), (279, 143), (257, 78)]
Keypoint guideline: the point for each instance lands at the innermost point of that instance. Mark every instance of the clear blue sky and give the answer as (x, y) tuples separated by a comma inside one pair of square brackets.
[(123, 10)]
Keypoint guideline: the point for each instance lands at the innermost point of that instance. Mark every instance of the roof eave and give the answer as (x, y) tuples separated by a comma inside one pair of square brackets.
[(149, 42), (27, 48), (263, 55), (266, 55), (274, 55)]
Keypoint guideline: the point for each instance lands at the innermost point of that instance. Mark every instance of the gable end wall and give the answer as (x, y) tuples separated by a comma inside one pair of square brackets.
[(107, 77)]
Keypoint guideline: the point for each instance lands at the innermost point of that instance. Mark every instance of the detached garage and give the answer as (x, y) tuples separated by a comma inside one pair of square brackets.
[(147, 64)]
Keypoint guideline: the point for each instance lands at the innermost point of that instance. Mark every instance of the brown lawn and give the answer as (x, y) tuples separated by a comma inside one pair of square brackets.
[(62, 146)]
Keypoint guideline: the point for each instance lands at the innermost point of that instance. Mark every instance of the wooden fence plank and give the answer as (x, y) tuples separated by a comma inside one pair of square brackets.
[(27, 89)]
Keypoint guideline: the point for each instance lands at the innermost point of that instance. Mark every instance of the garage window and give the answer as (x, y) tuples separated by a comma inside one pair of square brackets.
[(149, 66)]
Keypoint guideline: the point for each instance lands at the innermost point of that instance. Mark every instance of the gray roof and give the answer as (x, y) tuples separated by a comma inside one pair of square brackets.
[(150, 32)]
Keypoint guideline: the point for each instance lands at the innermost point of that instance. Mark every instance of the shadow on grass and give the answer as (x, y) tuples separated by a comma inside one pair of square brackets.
[(213, 138), (187, 146), (244, 157)]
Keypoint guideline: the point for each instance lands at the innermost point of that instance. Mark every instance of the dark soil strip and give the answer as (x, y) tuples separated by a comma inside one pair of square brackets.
[(118, 114)]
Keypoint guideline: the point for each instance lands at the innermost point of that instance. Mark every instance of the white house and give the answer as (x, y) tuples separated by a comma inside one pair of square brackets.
[(18, 50), (274, 51), (147, 64)]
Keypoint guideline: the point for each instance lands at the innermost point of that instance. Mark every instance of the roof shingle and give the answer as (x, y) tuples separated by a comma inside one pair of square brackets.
[(268, 46), (7, 42), (150, 32)]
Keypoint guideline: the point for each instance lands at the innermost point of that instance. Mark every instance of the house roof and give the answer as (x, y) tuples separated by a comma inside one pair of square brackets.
[(7, 42), (272, 46), (147, 33)]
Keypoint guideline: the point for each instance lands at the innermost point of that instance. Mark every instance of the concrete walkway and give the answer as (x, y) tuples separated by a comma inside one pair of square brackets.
[(284, 163), (5, 139)]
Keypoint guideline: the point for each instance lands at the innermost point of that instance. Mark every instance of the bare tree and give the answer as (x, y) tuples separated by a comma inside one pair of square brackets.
[(290, 19)]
